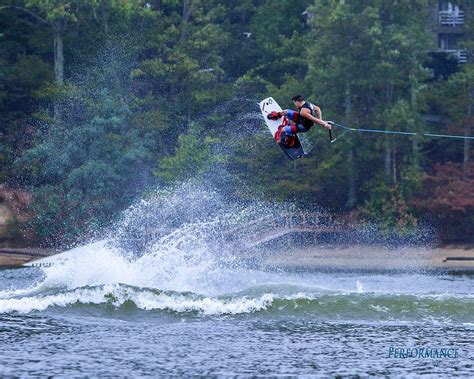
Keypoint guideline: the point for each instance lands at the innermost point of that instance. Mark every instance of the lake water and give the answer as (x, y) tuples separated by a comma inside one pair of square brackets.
[(170, 290), (113, 317)]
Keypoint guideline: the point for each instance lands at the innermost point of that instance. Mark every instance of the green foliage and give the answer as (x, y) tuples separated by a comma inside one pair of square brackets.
[(390, 206), (55, 9), (457, 95), (389, 210), (368, 55), (193, 157), (185, 60), (81, 175), (152, 88)]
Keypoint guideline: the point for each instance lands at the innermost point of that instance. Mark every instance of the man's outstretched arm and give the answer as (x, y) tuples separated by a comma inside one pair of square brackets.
[(306, 113)]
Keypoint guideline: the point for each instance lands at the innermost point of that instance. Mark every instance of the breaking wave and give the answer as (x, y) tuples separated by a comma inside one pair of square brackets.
[(265, 300), (190, 251)]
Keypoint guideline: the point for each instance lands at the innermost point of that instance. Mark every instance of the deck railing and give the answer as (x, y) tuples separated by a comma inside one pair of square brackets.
[(461, 55), (451, 18)]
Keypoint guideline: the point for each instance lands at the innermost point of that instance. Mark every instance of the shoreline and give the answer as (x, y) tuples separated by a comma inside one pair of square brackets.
[(15, 257), (453, 258), (456, 259)]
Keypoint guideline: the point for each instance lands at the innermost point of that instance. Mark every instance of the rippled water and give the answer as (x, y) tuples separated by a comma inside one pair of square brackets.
[(187, 303), (271, 323)]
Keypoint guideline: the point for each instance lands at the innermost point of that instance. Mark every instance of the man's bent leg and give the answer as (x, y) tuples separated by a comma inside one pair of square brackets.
[(294, 129), (292, 115)]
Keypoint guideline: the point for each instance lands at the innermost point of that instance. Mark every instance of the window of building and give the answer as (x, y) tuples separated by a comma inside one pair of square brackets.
[(447, 41)]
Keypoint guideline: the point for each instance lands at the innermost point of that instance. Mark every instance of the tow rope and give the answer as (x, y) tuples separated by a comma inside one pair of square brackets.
[(362, 130)]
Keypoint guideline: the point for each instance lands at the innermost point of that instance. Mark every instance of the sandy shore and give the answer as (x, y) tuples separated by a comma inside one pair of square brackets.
[(14, 257), (452, 258)]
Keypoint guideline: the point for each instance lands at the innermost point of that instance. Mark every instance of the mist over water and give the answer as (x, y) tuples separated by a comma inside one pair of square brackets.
[(190, 249)]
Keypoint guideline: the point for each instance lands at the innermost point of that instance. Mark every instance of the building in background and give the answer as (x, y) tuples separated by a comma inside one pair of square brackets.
[(449, 19)]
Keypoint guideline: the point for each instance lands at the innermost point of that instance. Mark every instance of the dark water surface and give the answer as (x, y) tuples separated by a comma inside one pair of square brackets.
[(78, 320)]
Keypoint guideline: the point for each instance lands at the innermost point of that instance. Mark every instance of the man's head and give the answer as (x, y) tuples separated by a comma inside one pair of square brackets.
[(298, 100)]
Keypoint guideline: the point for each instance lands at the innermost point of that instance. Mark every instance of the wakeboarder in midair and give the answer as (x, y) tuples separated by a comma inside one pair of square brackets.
[(301, 121)]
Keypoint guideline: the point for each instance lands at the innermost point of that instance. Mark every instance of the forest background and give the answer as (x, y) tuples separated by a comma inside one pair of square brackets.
[(102, 100)]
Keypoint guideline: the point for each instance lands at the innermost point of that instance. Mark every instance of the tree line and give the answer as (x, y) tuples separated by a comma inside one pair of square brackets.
[(102, 99)]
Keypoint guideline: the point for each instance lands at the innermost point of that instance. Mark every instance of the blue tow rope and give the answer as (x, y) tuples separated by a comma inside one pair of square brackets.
[(361, 130)]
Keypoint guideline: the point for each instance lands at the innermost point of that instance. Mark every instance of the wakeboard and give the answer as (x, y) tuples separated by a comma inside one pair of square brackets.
[(270, 105)]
